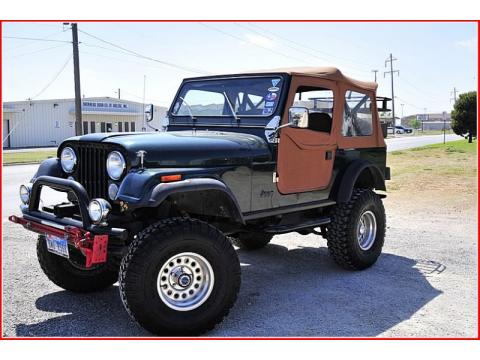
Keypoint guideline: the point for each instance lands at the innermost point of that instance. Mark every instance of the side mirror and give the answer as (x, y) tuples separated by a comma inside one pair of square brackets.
[(298, 117), (149, 112)]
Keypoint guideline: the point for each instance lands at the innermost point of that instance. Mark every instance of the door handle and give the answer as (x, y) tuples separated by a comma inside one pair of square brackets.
[(328, 155)]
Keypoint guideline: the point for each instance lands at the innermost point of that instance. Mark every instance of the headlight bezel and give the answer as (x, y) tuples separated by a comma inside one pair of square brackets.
[(119, 170), (103, 208), (74, 159), (28, 189)]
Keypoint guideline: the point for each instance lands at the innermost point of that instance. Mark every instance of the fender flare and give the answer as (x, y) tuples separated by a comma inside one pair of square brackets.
[(49, 167), (161, 191), (345, 181)]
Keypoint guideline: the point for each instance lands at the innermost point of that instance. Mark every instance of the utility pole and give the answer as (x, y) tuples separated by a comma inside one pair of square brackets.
[(76, 76), (375, 72), (390, 60), (144, 124), (454, 93), (402, 105), (444, 114), (424, 117), (118, 93)]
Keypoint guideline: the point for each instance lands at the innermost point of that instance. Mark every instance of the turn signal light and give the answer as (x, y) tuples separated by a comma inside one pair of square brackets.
[(170, 178)]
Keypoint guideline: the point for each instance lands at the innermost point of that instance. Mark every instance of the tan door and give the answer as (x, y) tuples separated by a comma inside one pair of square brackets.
[(306, 157)]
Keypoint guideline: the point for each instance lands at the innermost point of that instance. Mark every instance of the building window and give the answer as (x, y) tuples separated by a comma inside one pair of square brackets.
[(132, 126), (85, 127), (357, 117), (126, 127), (120, 127), (109, 127), (102, 127), (92, 127)]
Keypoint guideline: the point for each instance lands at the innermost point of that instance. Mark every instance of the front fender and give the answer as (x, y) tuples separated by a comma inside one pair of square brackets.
[(49, 167), (144, 190)]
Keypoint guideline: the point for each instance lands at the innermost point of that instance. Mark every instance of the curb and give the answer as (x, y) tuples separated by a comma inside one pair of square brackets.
[(22, 163)]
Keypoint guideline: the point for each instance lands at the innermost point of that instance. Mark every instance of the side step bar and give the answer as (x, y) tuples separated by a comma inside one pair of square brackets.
[(285, 228)]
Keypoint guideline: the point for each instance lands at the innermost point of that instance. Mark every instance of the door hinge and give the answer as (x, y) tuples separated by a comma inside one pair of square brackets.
[(275, 177)]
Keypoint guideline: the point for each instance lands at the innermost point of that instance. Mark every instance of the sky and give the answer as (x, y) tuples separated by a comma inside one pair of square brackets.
[(432, 58)]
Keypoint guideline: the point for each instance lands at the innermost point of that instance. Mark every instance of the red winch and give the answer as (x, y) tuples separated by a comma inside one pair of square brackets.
[(95, 250)]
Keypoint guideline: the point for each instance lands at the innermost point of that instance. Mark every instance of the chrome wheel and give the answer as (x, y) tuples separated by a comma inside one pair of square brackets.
[(366, 230), (185, 281)]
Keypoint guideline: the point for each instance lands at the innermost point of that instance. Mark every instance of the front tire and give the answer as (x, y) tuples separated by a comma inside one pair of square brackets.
[(356, 233), (70, 274), (180, 277)]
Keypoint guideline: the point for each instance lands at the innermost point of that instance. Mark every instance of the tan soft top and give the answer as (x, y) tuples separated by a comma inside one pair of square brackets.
[(330, 73)]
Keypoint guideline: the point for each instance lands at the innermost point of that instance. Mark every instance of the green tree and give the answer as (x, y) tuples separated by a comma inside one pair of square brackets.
[(464, 115), (415, 123)]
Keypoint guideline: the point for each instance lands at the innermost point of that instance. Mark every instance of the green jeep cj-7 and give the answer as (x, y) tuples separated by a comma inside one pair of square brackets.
[(243, 157)]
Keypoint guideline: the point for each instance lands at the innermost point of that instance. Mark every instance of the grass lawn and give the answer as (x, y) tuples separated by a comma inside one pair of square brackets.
[(27, 156), (450, 167)]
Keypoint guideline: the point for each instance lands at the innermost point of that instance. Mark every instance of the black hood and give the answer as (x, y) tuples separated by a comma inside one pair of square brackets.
[(186, 148)]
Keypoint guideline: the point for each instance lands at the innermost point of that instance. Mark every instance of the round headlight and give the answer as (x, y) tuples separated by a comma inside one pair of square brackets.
[(25, 191), (112, 191), (68, 159), (98, 210), (115, 165)]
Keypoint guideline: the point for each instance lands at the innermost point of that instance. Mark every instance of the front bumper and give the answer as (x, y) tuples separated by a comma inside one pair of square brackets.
[(82, 234)]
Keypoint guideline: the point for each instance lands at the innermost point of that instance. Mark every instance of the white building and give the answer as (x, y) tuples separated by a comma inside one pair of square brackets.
[(40, 123)]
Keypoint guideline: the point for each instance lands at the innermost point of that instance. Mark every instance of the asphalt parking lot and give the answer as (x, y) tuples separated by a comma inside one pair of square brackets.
[(424, 285)]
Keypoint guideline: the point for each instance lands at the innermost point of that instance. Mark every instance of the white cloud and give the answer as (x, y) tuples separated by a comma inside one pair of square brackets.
[(260, 40), (468, 44)]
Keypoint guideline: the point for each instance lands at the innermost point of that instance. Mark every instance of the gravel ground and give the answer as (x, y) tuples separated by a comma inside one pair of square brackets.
[(423, 285)]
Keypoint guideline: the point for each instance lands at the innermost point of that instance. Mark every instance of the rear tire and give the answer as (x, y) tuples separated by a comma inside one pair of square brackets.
[(180, 277), (72, 276), (356, 233), (251, 240)]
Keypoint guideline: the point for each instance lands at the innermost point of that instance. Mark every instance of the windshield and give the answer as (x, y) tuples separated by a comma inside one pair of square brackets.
[(253, 96)]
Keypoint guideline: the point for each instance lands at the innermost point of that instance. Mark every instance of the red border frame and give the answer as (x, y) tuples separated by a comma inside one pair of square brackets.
[(239, 338)]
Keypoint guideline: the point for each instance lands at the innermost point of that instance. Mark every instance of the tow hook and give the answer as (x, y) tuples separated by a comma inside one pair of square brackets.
[(95, 250)]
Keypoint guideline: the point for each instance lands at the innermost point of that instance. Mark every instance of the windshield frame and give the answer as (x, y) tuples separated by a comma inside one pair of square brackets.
[(236, 117)]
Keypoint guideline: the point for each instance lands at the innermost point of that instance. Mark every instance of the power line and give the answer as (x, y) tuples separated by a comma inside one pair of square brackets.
[(257, 45), (54, 78), (134, 53), (37, 51), (50, 35), (410, 104), (420, 91), (307, 47), (35, 39), (272, 39)]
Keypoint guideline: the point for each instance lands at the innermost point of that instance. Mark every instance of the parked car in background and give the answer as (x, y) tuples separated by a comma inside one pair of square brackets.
[(399, 129)]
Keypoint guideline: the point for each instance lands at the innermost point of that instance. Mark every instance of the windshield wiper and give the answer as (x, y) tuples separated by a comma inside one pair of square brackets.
[(189, 108), (230, 106)]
